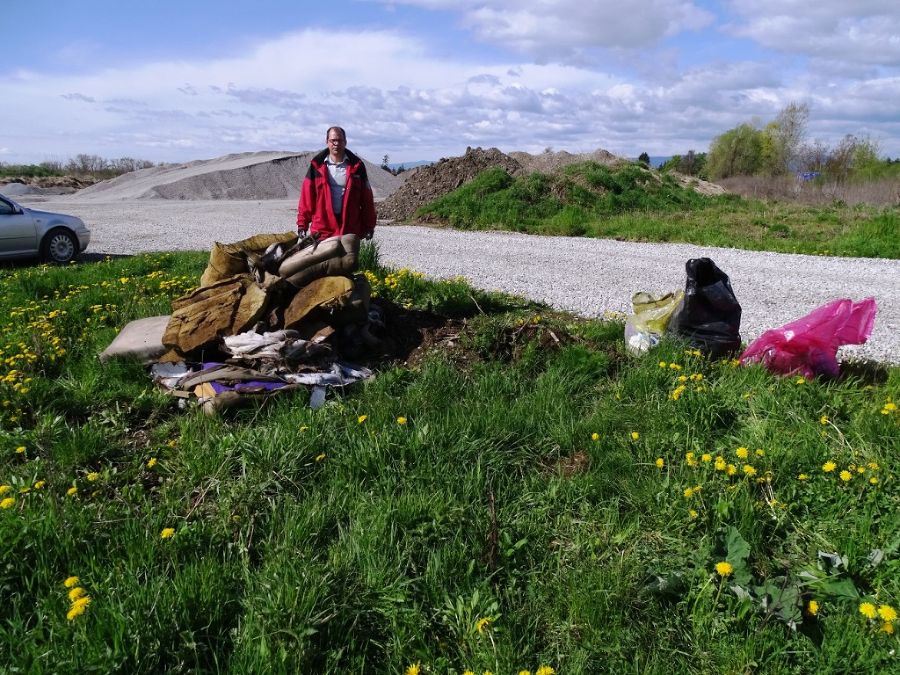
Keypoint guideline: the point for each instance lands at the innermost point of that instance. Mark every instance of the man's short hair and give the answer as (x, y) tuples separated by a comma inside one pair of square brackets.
[(340, 129)]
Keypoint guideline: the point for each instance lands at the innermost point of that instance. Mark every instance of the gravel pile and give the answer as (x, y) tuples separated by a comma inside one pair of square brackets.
[(586, 276), (249, 175)]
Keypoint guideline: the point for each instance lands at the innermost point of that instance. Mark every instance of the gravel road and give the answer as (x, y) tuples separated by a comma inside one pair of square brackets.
[(585, 276)]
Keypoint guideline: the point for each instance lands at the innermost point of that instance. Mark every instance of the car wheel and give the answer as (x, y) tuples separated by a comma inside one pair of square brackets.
[(59, 246)]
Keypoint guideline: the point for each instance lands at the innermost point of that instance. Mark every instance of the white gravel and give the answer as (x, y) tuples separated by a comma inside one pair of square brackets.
[(585, 276)]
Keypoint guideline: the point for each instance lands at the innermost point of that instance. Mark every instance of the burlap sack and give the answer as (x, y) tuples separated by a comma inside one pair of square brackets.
[(227, 260)]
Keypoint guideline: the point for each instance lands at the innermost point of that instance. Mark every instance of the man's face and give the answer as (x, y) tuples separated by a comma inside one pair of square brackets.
[(336, 142)]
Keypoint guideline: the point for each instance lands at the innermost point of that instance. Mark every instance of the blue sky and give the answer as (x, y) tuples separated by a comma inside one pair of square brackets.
[(424, 79)]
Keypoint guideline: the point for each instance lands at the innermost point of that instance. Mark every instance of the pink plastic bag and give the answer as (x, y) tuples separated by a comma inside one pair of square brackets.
[(808, 346)]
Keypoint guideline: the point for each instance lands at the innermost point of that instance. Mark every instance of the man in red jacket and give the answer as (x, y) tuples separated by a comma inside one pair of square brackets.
[(336, 197)]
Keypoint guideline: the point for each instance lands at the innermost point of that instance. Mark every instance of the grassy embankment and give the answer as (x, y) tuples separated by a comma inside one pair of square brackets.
[(530, 497), (630, 203)]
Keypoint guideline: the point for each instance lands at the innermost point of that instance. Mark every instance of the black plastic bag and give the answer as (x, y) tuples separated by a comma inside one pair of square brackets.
[(710, 315)]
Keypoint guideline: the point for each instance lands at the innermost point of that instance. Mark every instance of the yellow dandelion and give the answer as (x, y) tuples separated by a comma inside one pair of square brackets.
[(78, 607), (595, 437), (873, 480), (693, 514), (800, 380), (860, 469), (742, 453), (39, 484), (812, 608), (887, 613), (887, 628), (167, 533), (829, 466), (663, 364), (720, 464), (867, 609), (803, 476), (8, 503), (71, 581), (361, 419), (846, 476), (320, 457), (401, 420), (724, 569), (873, 466), (545, 670), (660, 462), (304, 428), (92, 476), (4, 489), (414, 669), (72, 491), (151, 462), (524, 672), (731, 469), (706, 457), (635, 435), (749, 470), (690, 459), (482, 624), (760, 452), (20, 450), (688, 493), (76, 593), (823, 419)]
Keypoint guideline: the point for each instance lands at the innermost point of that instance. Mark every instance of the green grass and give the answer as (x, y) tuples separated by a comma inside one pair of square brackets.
[(523, 489), (632, 204)]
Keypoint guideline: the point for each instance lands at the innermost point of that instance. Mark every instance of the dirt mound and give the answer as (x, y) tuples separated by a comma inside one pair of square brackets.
[(35, 186), (244, 176), (550, 162), (436, 180)]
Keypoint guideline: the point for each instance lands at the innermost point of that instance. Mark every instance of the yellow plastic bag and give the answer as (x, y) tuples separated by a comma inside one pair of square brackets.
[(650, 318)]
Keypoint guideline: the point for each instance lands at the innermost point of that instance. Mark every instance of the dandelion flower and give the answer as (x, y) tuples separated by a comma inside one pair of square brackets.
[(887, 613), (688, 493), (867, 609), (720, 464), (635, 435), (360, 420), (873, 466), (731, 469), (887, 628), (414, 669), (151, 462), (706, 457), (482, 623), (4, 489), (320, 457), (760, 452), (663, 364), (545, 670), (20, 450), (167, 533), (873, 480), (401, 420), (823, 419), (846, 476), (693, 514), (803, 476), (72, 491), (724, 569), (749, 470), (595, 437), (92, 476), (829, 466), (8, 503), (690, 459), (660, 462), (39, 484), (76, 593), (71, 582), (78, 607), (742, 453), (524, 672)]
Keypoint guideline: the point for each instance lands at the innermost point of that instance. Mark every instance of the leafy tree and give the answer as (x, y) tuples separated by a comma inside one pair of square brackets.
[(736, 152), (644, 159)]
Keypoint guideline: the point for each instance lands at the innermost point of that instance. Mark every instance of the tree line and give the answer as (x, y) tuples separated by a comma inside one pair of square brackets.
[(82, 166), (779, 148)]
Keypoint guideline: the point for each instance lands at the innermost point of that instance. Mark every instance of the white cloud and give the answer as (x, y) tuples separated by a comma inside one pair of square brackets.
[(563, 29), (862, 31)]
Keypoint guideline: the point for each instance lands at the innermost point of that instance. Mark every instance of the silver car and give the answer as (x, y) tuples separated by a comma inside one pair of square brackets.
[(28, 233)]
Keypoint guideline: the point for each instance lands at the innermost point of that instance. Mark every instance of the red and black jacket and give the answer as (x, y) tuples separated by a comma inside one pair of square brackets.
[(314, 212)]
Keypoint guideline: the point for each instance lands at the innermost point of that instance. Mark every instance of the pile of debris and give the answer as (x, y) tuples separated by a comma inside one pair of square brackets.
[(429, 183), (272, 312)]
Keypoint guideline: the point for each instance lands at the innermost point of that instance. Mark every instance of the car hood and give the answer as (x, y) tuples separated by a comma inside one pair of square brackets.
[(73, 220)]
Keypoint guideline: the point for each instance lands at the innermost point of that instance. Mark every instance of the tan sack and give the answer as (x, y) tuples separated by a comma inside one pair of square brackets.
[(226, 260), (335, 256), (201, 318), (328, 293)]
